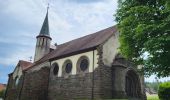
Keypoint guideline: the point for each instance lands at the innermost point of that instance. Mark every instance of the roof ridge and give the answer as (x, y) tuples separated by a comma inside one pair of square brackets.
[(25, 61)]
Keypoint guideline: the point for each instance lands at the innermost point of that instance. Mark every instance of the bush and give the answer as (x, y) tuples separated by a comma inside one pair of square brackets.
[(2, 94), (164, 91)]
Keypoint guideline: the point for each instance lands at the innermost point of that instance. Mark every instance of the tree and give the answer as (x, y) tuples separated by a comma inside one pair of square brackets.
[(144, 27), (2, 93)]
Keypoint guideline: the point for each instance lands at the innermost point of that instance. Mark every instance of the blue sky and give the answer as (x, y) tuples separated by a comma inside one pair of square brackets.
[(21, 21)]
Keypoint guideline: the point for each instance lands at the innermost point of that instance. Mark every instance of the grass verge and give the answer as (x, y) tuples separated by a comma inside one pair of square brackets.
[(152, 97)]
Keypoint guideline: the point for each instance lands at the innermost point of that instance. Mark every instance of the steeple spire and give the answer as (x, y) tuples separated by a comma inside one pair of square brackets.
[(45, 27), (43, 40)]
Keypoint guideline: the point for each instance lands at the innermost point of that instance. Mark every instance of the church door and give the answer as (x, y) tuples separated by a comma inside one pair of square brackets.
[(132, 84)]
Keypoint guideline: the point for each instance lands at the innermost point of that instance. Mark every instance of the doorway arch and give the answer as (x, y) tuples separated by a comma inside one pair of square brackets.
[(132, 84)]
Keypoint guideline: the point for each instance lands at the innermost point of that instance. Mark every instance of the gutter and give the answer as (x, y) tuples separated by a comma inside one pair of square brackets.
[(92, 96)]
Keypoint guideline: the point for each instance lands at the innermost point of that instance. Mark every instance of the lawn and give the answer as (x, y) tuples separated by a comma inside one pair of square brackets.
[(152, 97)]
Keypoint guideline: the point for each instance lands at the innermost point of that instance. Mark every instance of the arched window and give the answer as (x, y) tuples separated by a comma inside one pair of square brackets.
[(83, 64), (67, 68), (55, 68), (16, 80)]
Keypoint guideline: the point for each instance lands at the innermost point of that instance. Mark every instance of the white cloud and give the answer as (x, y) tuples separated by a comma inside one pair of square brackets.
[(16, 55), (21, 38), (82, 19), (68, 20)]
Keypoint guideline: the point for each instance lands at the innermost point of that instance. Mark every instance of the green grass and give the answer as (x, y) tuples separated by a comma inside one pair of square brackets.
[(152, 97)]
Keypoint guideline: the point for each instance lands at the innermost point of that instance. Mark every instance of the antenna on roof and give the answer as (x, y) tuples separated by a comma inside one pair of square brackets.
[(30, 58)]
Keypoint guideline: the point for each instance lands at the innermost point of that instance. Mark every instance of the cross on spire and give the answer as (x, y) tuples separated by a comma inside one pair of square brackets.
[(48, 6)]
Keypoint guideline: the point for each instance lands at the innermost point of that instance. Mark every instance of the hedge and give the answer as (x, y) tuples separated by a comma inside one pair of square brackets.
[(2, 93), (164, 91)]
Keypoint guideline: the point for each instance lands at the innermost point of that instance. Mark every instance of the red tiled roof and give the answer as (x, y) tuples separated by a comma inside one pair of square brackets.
[(81, 44), (24, 64), (2, 86)]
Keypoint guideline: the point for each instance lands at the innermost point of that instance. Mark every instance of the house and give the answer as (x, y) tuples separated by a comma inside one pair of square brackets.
[(2, 86)]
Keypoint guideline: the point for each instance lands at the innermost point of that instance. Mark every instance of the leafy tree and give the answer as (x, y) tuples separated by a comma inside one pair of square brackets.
[(144, 27), (2, 94)]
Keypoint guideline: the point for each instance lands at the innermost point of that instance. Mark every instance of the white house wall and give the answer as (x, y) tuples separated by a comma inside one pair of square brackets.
[(110, 49), (74, 59), (17, 72)]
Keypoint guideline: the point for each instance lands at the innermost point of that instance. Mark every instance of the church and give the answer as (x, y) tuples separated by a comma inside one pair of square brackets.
[(87, 68)]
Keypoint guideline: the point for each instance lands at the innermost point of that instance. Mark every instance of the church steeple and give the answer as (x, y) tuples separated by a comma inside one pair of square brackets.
[(43, 40), (45, 26)]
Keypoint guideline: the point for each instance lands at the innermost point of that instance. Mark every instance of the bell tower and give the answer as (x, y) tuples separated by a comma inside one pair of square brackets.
[(43, 40)]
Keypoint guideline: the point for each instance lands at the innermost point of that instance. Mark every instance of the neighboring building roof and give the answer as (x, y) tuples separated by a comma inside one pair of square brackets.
[(2, 86), (79, 45), (24, 64)]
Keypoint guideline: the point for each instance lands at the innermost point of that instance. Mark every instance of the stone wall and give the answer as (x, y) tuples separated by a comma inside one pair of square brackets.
[(122, 68), (119, 81), (80, 86), (97, 84), (13, 91), (105, 76), (74, 87), (106, 82), (35, 85)]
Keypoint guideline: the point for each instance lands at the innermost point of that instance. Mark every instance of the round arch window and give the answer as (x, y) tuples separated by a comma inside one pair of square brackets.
[(84, 64), (56, 69), (68, 67), (16, 80)]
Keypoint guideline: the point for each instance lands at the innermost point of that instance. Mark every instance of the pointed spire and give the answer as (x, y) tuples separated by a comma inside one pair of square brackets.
[(45, 26)]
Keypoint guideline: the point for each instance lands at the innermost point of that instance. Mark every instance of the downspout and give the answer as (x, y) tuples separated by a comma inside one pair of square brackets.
[(92, 96)]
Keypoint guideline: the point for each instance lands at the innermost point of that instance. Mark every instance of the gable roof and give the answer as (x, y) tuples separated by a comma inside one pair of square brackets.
[(24, 64), (79, 45)]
